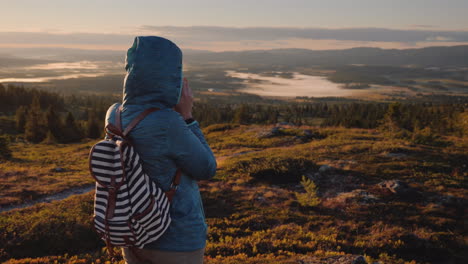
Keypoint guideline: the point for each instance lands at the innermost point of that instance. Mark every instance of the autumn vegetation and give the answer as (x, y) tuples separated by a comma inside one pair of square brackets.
[(296, 183)]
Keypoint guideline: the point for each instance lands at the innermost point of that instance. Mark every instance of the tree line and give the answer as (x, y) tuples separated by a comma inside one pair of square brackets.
[(12, 97), (46, 116), (443, 119), (42, 116)]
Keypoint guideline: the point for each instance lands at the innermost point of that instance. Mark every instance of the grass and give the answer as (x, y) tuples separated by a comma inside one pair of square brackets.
[(252, 209), (35, 170)]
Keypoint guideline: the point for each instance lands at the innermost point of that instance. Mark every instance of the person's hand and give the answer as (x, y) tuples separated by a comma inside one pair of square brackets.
[(184, 107)]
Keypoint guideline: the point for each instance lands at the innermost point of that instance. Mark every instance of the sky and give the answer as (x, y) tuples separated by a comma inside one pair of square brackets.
[(220, 25)]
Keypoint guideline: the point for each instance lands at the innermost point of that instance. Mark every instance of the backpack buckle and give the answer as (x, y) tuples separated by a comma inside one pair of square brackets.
[(174, 187)]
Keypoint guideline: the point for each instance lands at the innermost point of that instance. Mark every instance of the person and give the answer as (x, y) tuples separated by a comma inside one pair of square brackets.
[(167, 139)]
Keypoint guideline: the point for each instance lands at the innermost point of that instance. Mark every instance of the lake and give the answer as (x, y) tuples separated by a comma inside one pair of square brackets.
[(59, 71), (299, 85)]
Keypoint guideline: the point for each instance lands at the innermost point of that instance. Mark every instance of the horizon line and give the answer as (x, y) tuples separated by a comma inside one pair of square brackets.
[(147, 27), (122, 48)]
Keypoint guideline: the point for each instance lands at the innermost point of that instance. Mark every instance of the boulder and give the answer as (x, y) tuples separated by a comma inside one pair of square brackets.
[(325, 168), (395, 155), (275, 131), (310, 134), (348, 259), (58, 169), (285, 124), (356, 196), (400, 189), (395, 186)]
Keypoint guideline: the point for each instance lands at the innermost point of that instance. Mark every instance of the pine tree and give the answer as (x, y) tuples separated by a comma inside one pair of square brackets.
[(392, 118), (50, 138), (3, 97), (53, 124), (71, 131), (241, 115), (93, 129), (34, 129), (273, 116), (5, 152), (309, 198), (20, 118)]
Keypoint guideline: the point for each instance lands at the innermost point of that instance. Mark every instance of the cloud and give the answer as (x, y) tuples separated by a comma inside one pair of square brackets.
[(201, 33), (422, 26), (439, 39), (55, 39), (324, 44), (232, 38)]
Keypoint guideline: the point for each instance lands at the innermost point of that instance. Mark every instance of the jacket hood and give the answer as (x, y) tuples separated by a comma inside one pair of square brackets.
[(154, 73)]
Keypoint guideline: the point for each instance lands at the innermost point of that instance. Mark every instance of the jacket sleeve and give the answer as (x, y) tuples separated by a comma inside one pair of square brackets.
[(110, 115), (188, 147)]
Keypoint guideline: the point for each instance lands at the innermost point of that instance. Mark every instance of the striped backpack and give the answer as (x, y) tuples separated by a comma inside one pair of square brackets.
[(130, 210)]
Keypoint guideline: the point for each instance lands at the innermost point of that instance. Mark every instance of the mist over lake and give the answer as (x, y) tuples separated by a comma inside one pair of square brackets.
[(47, 72), (299, 85)]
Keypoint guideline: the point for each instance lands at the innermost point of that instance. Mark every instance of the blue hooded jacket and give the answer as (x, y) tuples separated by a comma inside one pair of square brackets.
[(163, 139)]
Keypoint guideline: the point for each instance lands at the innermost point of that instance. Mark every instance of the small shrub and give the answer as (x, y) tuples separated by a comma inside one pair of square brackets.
[(49, 229), (5, 152), (219, 127), (50, 138), (309, 198), (274, 170), (424, 136)]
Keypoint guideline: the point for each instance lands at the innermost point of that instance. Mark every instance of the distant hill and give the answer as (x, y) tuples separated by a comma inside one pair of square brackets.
[(63, 54), (456, 56), (14, 61)]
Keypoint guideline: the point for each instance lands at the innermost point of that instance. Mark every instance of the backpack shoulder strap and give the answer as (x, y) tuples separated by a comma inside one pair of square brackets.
[(134, 122)]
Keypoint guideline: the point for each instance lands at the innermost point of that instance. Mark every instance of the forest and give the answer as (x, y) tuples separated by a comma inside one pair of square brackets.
[(41, 114)]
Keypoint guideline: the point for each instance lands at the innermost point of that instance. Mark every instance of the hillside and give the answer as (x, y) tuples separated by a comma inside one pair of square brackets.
[(455, 56), (432, 56), (231, 77), (282, 194)]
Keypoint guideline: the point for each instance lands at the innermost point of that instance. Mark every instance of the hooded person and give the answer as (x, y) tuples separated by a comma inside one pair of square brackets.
[(166, 140)]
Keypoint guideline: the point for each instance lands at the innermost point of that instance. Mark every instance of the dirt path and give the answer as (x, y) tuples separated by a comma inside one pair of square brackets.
[(74, 191), (84, 189), (47, 199)]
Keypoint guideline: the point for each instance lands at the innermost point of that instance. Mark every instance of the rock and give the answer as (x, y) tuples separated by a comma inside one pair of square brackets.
[(360, 260), (58, 169), (367, 198), (324, 168), (449, 200), (308, 133), (285, 124), (395, 186), (349, 259), (242, 153), (358, 195), (395, 155), (400, 188), (275, 131), (313, 177)]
